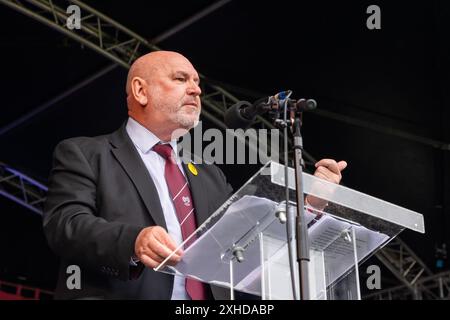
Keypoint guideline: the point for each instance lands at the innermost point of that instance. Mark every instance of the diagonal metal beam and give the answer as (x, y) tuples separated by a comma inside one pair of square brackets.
[(22, 189), (441, 145), (122, 46), (28, 116), (58, 13), (186, 23), (114, 41), (433, 287), (404, 264)]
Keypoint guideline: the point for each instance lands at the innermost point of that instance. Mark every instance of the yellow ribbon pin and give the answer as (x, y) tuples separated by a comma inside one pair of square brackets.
[(192, 168)]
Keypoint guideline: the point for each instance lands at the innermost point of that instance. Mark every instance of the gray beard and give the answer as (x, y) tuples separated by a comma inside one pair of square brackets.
[(187, 122)]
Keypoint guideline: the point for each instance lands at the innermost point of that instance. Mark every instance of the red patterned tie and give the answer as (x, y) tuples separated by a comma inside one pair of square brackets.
[(182, 200)]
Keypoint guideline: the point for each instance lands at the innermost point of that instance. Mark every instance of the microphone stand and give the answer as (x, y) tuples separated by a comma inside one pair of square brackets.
[(301, 227), (301, 230), (290, 219)]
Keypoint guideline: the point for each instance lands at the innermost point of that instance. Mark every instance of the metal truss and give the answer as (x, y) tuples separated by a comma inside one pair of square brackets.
[(22, 189), (404, 264), (98, 32), (119, 44), (20, 292), (435, 287)]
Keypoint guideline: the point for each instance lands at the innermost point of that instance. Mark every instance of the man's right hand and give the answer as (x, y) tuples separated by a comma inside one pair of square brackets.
[(153, 245)]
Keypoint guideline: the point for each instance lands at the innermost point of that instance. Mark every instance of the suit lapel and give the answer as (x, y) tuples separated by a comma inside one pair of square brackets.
[(128, 157), (199, 194)]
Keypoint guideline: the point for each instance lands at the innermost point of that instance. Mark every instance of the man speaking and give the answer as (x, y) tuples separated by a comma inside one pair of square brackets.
[(119, 204)]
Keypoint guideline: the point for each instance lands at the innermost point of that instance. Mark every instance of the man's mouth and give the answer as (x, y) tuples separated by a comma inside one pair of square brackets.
[(192, 105)]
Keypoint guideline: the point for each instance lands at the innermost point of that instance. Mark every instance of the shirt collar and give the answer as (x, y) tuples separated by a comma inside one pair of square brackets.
[(143, 138)]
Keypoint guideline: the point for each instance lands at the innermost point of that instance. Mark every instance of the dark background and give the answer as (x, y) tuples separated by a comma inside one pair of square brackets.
[(396, 78)]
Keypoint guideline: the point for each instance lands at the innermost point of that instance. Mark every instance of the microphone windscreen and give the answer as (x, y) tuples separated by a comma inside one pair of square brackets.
[(233, 117)]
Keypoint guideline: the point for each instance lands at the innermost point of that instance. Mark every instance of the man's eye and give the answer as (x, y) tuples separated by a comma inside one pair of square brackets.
[(180, 79)]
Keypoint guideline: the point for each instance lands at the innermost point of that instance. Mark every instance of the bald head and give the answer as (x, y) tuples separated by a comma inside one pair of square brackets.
[(147, 65), (163, 93)]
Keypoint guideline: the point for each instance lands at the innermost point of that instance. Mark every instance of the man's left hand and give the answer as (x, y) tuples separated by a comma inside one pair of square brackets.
[(330, 170)]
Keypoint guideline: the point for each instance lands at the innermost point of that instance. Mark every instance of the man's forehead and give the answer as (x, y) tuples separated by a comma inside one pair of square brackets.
[(185, 72), (180, 65)]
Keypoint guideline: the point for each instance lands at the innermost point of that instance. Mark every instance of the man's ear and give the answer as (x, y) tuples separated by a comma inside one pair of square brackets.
[(139, 90)]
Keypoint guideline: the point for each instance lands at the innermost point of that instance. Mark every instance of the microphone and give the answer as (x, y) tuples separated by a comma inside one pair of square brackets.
[(305, 105), (243, 113)]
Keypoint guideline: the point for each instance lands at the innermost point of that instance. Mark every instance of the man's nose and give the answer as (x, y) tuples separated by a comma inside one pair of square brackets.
[(194, 89)]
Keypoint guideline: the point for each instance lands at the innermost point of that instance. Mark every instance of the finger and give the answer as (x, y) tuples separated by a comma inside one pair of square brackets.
[(158, 259), (162, 250), (330, 176), (342, 165), (163, 237), (155, 256), (324, 162), (330, 164), (149, 262), (321, 176)]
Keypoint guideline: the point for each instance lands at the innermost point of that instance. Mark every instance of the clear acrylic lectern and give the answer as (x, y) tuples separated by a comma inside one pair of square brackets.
[(243, 246)]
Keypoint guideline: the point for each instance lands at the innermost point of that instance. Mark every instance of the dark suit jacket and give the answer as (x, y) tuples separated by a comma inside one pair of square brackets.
[(100, 197)]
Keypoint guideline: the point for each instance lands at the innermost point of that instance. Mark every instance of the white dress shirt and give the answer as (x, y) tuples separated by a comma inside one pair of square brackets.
[(144, 140)]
